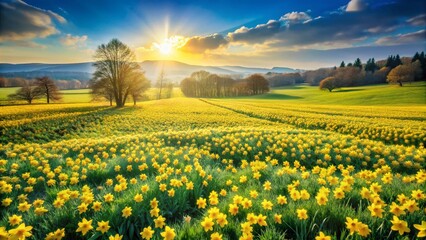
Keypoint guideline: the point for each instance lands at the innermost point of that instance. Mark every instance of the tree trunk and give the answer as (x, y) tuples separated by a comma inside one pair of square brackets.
[(110, 102), (400, 83), (48, 97)]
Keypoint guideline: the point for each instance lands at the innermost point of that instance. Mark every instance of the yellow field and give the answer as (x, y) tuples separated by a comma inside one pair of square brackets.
[(212, 169)]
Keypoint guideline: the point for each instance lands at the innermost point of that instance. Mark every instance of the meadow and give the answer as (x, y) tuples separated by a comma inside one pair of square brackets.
[(296, 163)]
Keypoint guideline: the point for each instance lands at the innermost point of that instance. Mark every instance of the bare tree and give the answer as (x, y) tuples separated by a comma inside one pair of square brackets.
[(27, 92), (48, 87), (115, 67), (102, 89), (329, 83), (160, 82), (138, 85)]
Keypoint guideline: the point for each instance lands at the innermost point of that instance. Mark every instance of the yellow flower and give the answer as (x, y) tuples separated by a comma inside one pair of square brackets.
[(397, 210), (138, 197), (116, 237), (207, 224), (103, 226), (421, 228), (160, 222), (233, 209), (24, 207), (399, 225), (352, 225), (3, 234), (267, 186), (97, 206), (261, 220), (15, 220), (147, 233), (6, 202), (57, 235), (277, 218), (216, 236), (168, 234), (322, 236), (154, 203), (267, 205), (21, 232), (376, 210), (302, 214), (82, 208), (109, 197), (281, 200), (363, 229), (84, 226), (221, 219), (127, 211), (201, 202)]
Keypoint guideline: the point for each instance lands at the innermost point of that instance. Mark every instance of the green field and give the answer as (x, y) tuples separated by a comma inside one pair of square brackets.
[(79, 95), (291, 164), (412, 94)]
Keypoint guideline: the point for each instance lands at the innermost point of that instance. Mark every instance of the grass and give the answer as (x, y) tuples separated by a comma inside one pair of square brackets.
[(383, 94), (80, 95)]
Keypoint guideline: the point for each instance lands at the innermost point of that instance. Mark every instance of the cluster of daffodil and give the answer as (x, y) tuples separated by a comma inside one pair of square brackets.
[(407, 127), (207, 177)]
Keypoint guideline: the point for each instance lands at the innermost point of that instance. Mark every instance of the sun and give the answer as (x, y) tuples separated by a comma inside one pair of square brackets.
[(164, 48), (169, 45)]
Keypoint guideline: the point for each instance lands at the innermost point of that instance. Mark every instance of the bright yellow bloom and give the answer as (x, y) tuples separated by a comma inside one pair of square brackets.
[(116, 237), (421, 228), (160, 222), (138, 197), (82, 208), (376, 210), (20, 232), (216, 236), (221, 219), (201, 202), (322, 236), (84, 226), (352, 225), (168, 234), (147, 233), (207, 224), (57, 235), (267, 205), (261, 220), (103, 226), (277, 218), (15, 220), (233, 209), (399, 225), (302, 214), (281, 200), (127, 211)]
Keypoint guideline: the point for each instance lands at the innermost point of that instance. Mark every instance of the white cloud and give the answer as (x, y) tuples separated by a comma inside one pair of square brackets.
[(296, 17), (71, 41), (356, 6)]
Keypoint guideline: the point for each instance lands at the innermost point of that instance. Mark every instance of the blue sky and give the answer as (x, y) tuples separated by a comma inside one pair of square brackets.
[(299, 34)]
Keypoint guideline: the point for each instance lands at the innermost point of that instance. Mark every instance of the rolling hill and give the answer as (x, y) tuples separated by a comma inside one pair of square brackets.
[(174, 71)]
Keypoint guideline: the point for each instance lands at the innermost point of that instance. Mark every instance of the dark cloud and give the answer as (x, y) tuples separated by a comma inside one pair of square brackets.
[(258, 34), (419, 36), (344, 28), (201, 44), (21, 21)]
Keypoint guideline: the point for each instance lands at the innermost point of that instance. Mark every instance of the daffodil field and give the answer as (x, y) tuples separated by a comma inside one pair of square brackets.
[(212, 169)]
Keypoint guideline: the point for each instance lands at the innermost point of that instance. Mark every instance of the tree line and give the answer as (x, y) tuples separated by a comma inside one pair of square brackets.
[(61, 84), (394, 70), (205, 84)]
